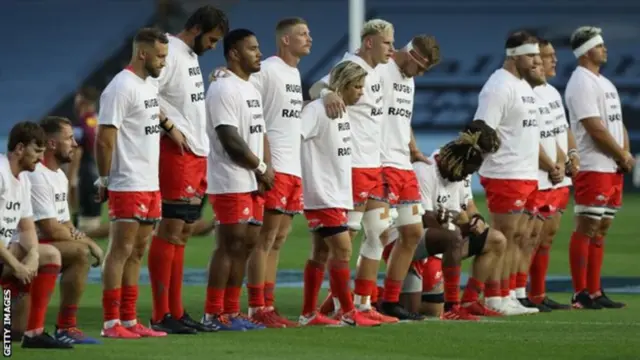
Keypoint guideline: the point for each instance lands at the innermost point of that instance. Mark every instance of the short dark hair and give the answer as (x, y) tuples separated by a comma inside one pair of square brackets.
[(543, 42), (208, 18), (428, 47), (53, 124), (286, 23), (25, 133), (233, 38), (89, 93), (518, 38), (149, 36)]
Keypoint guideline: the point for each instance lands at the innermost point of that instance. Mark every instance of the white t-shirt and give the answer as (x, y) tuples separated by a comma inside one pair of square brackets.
[(181, 95), (561, 125), (326, 159), (546, 124), (508, 105), (366, 117), (396, 127), (437, 192), (131, 105), (589, 95), (280, 87), (15, 202), (234, 102), (49, 195)]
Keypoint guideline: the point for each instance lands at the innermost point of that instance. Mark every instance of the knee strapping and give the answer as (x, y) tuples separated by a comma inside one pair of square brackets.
[(374, 224), (591, 212), (409, 214), (354, 220)]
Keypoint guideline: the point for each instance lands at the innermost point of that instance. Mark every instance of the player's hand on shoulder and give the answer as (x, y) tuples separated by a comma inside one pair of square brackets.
[(334, 105), (219, 73), (420, 157)]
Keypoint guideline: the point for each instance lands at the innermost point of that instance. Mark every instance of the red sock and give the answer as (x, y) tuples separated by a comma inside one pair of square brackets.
[(492, 289), (256, 295), (380, 291), (392, 290), (214, 305), (538, 273), (67, 317), (269, 296), (504, 287), (161, 253), (578, 256), (339, 277), (374, 294), (111, 304), (473, 290), (451, 275), (513, 280), (521, 280), (232, 299), (594, 268), (128, 305), (42, 287), (313, 276), (175, 287), (364, 287)]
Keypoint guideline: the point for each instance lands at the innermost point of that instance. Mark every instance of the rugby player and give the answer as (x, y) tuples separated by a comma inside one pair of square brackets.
[(558, 196), (127, 155), (326, 175), (509, 176), (237, 175), (595, 114), (26, 265), (370, 209), (279, 84), (399, 150), (49, 201), (183, 174)]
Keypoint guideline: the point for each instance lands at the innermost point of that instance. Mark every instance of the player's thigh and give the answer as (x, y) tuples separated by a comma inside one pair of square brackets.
[(340, 244), (439, 241), (592, 193), (71, 251), (506, 196), (181, 174)]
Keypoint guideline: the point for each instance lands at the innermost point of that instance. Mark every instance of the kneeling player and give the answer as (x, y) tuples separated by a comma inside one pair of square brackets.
[(49, 186), (26, 265), (326, 176)]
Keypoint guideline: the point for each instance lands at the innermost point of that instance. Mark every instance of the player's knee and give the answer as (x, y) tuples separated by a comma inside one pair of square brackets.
[(604, 226), (81, 254), (49, 255), (409, 214), (320, 252), (279, 241), (138, 251), (375, 222), (496, 242)]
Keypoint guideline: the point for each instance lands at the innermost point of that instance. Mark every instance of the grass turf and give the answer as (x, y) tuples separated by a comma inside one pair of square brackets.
[(607, 334)]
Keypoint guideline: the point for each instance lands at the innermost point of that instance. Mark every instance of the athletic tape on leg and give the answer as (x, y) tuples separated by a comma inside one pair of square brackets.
[(374, 224)]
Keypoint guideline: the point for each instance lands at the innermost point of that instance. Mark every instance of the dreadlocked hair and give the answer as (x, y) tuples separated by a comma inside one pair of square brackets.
[(488, 140), (468, 149)]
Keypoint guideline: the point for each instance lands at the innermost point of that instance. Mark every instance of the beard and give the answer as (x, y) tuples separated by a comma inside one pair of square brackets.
[(197, 45), (153, 72)]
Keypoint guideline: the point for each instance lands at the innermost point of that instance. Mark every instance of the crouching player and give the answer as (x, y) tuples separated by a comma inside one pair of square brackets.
[(326, 182), (26, 265), (49, 193), (441, 189)]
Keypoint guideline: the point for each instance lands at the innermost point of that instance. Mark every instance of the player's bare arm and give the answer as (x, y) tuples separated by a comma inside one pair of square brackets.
[(172, 131), (549, 165), (627, 147), (268, 177), (606, 142), (29, 243), (416, 154), (333, 103), (105, 143), (572, 155), (236, 147)]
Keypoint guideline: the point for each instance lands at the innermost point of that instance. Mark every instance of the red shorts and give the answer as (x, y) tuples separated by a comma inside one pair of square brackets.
[(401, 186), (431, 274), (560, 198), (367, 184), (238, 208), (325, 218), (286, 195), (182, 176), (144, 206), (539, 203), (598, 189), (505, 196)]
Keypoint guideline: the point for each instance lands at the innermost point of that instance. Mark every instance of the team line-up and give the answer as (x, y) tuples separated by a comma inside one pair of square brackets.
[(347, 160)]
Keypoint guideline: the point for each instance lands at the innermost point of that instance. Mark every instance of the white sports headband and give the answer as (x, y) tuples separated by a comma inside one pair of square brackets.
[(524, 49), (584, 48)]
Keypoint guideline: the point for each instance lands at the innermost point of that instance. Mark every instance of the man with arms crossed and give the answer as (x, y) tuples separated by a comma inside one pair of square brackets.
[(182, 171), (602, 140), (49, 200), (370, 211), (127, 155), (507, 104), (26, 266), (237, 172), (278, 82)]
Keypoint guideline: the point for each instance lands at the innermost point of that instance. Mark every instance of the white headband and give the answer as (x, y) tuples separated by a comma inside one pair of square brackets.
[(524, 49), (584, 48)]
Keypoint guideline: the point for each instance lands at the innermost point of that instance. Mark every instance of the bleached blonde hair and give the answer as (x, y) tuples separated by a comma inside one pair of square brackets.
[(345, 74), (376, 27)]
